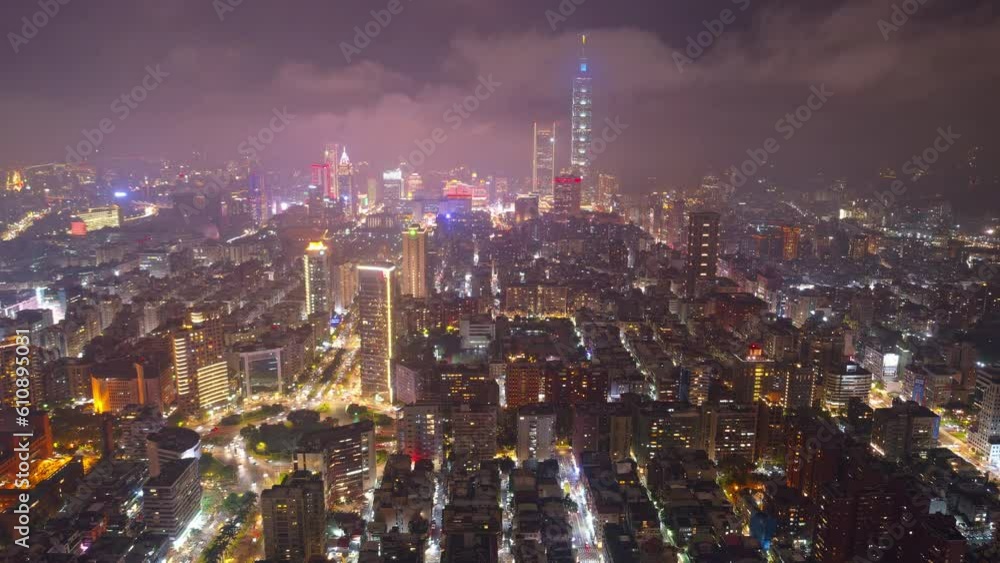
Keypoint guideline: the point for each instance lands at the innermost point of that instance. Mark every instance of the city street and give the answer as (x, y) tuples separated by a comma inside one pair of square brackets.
[(255, 473), (584, 535)]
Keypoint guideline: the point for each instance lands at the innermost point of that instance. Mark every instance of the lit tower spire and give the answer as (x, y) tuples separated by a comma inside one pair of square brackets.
[(345, 184), (582, 123)]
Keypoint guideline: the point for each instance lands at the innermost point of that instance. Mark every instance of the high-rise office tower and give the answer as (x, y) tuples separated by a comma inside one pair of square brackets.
[(903, 429), (729, 431), (770, 428), (567, 195), (331, 159), (834, 523), (986, 438), (661, 426), (200, 368), (543, 159), (171, 499), (474, 433), (843, 382), (294, 516), (414, 186), (790, 242), (524, 383), (420, 431), (321, 182), (536, 432), (345, 458), (345, 286), (415, 262), (392, 190), (603, 427), (345, 185), (582, 123), (755, 376), (319, 294), (376, 302), (703, 248), (117, 385), (800, 387), (258, 196), (607, 191)]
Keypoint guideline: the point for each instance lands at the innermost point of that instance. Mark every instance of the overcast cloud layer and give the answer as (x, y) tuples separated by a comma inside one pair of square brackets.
[(226, 76)]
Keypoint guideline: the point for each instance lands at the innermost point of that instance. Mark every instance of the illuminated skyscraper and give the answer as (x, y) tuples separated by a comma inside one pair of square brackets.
[(331, 158), (345, 185), (703, 248), (376, 302), (258, 196), (607, 191), (986, 438), (316, 261), (392, 189), (755, 376), (567, 195), (294, 518), (543, 159), (199, 364), (171, 499), (345, 286), (414, 186), (790, 242), (345, 457), (321, 181), (415, 262), (536, 432), (582, 123), (419, 434), (843, 382)]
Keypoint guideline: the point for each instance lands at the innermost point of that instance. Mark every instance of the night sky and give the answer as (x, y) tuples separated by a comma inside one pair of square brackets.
[(226, 77)]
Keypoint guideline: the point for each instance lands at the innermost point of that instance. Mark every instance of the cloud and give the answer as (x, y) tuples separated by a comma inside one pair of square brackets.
[(227, 77), (363, 79)]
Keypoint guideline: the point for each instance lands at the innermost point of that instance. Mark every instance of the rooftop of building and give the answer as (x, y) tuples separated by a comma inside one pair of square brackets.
[(175, 439), (171, 472)]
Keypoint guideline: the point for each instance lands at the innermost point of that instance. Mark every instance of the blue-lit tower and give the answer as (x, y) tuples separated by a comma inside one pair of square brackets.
[(582, 124)]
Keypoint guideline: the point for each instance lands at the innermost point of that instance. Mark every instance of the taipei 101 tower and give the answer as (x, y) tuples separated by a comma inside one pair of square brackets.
[(582, 125)]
